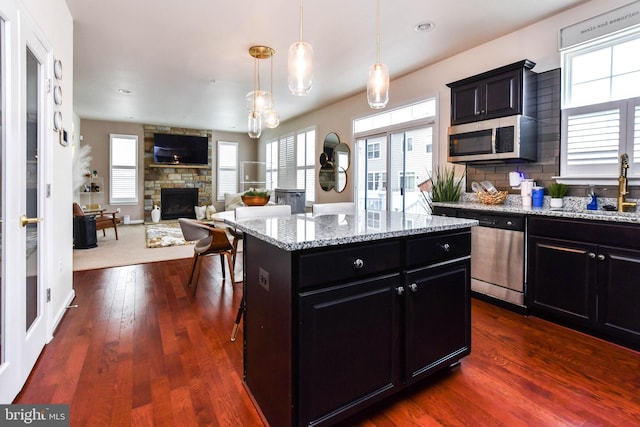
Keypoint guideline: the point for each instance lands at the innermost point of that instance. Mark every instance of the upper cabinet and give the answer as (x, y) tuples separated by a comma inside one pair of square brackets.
[(505, 91)]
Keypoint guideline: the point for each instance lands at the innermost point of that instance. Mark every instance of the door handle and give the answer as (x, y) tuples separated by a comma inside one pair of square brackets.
[(24, 220)]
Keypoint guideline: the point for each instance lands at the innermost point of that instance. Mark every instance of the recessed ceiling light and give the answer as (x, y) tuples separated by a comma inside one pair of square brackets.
[(423, 27), (128, 117), (125, 91)]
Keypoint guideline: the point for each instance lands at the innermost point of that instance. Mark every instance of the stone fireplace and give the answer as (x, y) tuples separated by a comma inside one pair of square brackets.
[(158, 177), (178, 203)]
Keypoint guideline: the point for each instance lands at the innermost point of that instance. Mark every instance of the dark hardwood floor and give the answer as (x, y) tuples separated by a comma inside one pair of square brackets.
[(137, 352)]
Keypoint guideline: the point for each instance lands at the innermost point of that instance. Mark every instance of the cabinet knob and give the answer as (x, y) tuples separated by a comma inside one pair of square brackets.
[(601, 257), (358, 263), (591, 255), (446, 247), (413, 287), (400, 290)]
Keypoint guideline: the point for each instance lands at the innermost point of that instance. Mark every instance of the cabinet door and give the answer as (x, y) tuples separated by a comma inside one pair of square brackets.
[(619, 292), (562, 278), (349, 348), (502, 95), (465, 103), (438, 318)]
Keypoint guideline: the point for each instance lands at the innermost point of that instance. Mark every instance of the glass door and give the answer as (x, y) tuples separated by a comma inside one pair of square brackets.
[(390, 167), (34, 326)]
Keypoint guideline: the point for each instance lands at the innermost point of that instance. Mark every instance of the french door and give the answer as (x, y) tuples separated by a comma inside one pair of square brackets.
[(390, 166), (23, 93)]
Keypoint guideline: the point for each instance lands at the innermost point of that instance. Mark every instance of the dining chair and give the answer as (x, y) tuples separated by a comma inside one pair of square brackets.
[(209, 241), (248, 212), (333, 208)]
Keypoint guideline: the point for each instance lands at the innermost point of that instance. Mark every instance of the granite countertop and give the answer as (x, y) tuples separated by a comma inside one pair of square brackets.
[(305, 231), (574, 207)]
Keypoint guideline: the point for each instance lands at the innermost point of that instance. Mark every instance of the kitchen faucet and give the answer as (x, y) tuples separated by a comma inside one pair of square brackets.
[(622, 188)]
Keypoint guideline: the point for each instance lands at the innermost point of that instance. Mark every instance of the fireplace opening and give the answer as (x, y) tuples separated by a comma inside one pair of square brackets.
[(178, 202)]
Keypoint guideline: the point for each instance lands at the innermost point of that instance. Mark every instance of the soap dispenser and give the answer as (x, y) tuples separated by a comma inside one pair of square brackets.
[(593, 204)]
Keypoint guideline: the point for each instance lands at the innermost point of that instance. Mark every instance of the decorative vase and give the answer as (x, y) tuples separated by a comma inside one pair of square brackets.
[(556, 202), (155, 213)]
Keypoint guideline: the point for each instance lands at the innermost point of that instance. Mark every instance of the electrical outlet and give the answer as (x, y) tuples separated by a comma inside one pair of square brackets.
[(263, 278)]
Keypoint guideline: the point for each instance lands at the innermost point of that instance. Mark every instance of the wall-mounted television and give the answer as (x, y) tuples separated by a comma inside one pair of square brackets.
[(180, 149)]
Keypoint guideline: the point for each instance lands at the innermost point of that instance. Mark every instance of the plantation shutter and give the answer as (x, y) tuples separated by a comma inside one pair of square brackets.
[(123, 182), (227, 168)]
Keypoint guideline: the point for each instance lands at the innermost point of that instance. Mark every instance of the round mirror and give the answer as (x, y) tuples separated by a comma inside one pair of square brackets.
[(331, 141), (327, 177), (341, 156), (323, 159), (341, 179)]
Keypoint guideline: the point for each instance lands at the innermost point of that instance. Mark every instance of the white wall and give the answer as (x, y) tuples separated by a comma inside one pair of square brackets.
[(54, 20), (538, 42)]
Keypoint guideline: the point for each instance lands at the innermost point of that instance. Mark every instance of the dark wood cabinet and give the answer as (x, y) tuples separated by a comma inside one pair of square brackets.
[(333, 330), (584, 274), (348, 346), (502, 92), (436, 297)]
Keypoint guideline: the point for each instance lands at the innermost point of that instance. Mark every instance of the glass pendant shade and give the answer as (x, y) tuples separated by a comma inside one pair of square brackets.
[(263, 101), (271, 119), (378, 86), (255, 124), (300, 68)]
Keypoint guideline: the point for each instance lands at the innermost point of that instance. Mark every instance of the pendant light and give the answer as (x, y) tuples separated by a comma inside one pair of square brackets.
[(300, 65), (271, 119), (378, 82), (258, 101)]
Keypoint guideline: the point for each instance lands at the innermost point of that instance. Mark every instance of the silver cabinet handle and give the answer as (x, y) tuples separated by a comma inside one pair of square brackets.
[(413, 287), (400, 290), (601, 257), (446, 247), (591, 255), (358, 263)]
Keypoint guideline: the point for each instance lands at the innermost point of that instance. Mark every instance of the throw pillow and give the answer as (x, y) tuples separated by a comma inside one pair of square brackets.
[(200, 212), (210, 211), (232, 201)]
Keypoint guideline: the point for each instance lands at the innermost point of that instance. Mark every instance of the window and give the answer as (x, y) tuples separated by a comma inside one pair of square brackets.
[(123, 184), (305, 163), (272, 164), (408, 113), (292, 158), (601, 106), (392, 160), (373, 150), (227, 168), (408, 181), (408, 145)]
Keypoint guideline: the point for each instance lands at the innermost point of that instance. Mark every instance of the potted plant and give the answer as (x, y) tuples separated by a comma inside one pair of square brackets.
[(557, 191), (446, 188), (254, 197)]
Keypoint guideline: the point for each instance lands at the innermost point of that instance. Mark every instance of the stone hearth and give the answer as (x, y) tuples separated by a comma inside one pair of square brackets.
[(158, 177)]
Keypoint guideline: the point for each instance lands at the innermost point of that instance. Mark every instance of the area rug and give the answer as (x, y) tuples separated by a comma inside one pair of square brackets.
[(162, 235)]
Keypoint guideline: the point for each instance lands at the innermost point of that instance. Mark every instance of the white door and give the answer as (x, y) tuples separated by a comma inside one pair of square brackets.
[(23, 314)]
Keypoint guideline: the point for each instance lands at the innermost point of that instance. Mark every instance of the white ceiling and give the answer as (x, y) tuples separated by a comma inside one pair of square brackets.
[(187, 64)]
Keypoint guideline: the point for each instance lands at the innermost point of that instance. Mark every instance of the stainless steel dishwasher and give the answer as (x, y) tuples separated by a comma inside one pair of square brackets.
[(497, 255)]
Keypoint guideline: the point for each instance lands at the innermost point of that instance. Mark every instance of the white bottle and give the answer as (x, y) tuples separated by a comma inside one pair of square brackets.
[(155, 213)]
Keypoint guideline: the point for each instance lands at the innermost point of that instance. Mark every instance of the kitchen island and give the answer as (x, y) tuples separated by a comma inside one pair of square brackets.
[(342, 311)]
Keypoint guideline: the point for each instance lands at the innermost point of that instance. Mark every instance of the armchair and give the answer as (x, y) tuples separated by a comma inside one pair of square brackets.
[(103, 219)]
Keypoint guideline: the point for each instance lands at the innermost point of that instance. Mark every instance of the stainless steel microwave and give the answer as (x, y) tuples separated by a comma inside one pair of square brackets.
[(505, 139)]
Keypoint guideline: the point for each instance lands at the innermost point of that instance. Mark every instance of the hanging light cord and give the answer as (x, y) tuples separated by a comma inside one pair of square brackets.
[(378, 32), (271, 82), (301, 17), (255, 82)]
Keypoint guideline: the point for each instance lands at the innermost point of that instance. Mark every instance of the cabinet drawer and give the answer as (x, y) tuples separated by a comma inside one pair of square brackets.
[(437, 248), (348, 263)]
